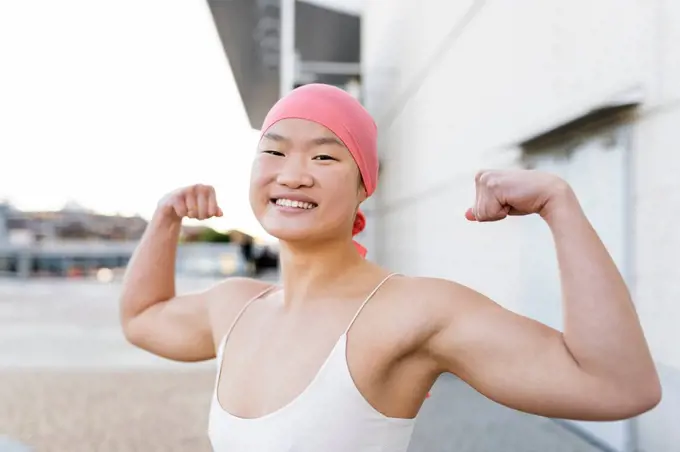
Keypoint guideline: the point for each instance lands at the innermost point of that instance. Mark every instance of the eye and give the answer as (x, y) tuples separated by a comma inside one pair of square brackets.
[(323, 157), (276, 153)]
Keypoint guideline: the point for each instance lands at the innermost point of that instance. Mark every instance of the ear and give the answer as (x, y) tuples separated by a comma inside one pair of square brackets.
[(362, 194), (361, 190)]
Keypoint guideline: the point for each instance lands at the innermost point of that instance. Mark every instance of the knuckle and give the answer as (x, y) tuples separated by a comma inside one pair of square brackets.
[(173, 200), (492, 182), (190, 194), (204, 191), (484, 176), (180, 209), (191, 201)]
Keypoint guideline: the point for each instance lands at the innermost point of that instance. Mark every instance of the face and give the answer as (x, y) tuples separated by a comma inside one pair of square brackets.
[(304, 183)]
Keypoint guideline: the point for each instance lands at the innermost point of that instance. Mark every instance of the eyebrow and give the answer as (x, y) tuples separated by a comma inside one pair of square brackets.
[(316, 141), (328, 140), (274, 137)]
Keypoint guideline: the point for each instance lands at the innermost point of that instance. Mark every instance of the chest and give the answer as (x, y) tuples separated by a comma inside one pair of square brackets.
[(271, 358)]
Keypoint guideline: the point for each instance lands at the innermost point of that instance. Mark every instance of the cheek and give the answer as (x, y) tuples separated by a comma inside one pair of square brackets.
[(258, 181), (260, 174), (342, 189)]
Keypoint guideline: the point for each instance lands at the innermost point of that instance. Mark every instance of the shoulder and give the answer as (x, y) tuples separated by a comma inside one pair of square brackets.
[(426, 291), (410, 312), (229, 296), (436, 301), (235, 291), (237, 286)]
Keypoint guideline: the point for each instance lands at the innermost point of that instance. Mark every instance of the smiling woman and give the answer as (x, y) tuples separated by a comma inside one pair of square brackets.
[(304, 170), (314, 152), (341, 355)]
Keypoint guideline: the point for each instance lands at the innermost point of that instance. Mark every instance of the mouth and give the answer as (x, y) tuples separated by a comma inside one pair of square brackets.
[(291, 204)]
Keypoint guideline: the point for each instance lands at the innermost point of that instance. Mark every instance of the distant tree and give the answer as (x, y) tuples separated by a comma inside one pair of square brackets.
[(212, 236)]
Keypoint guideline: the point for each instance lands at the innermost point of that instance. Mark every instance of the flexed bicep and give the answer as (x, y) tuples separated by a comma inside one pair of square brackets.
[(517, 361)]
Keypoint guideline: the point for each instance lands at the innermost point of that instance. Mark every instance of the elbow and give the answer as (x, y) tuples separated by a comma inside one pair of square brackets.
[(126, 325), (650, 396), (131, 332), (650, 391), (642, 399), (130, 320), (626, 401)]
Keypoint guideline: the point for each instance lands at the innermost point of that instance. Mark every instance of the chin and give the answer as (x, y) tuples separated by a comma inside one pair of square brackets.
[(288, 229), (288, 233)]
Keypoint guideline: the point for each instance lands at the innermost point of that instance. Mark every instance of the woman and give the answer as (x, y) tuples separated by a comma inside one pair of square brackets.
[(341, 355)]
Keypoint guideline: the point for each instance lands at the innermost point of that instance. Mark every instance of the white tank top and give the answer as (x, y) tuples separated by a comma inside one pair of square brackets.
[(330, 415)]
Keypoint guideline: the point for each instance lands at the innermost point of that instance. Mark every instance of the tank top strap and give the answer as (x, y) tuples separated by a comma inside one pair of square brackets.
[(238, 316), (368, 298)]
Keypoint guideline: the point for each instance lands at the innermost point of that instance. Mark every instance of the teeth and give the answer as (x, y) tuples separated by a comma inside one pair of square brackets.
[(298, 204)]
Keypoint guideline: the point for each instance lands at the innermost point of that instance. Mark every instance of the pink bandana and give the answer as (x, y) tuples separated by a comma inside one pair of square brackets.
[(343, 115)]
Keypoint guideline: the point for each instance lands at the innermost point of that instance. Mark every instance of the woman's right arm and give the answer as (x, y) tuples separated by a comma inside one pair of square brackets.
[(153, 317)]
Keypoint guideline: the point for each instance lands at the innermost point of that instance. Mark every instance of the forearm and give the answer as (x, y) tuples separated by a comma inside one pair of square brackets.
[(601, 328), (150, 275)]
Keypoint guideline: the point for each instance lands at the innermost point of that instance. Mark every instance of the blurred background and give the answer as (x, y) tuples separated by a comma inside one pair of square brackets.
[(106, 106)]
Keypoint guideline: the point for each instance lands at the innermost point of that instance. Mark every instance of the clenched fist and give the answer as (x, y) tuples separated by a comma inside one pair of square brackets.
[(514, 192), (194, 201)]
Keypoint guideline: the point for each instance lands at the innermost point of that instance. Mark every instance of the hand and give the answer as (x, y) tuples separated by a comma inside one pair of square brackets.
[(194, 201), (514, 192)]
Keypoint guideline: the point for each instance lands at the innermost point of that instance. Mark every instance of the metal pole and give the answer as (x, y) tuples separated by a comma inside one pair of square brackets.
[(287, 53), (624, 138)]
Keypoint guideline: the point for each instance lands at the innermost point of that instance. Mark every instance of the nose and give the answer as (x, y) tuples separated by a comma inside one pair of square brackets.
[(294, 173)]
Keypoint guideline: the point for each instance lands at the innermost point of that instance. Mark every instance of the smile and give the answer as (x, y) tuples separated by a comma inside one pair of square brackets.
[(283, 202)]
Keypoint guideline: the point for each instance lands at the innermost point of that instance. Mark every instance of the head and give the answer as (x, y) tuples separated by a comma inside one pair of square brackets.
[(316, 163)]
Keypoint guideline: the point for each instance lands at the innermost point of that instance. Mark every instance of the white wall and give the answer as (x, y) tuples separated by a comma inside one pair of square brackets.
[(657, 265), (456, 86)]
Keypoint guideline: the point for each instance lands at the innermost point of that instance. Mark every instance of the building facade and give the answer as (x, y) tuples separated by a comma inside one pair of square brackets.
[(588, 90), (79, 243)]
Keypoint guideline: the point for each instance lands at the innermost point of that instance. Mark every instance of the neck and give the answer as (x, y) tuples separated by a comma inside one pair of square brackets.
[(307, 271)]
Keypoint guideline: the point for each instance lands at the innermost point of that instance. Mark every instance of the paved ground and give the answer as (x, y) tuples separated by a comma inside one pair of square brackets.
[(70, 383), (458, 419)]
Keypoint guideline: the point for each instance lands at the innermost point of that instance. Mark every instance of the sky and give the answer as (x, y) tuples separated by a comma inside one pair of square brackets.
[(113, 104)]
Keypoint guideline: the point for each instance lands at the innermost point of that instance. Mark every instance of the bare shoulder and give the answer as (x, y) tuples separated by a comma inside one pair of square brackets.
[(436, 302), (434, 293), (226, 298), (231, 289), (444, 319)]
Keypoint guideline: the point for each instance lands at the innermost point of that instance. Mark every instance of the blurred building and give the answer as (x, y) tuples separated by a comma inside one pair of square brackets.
[(73, 222), (258, 257), (275, 45), (74, 242), (69, 242)]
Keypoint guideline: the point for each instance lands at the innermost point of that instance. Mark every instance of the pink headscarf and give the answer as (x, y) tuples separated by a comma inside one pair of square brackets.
[(343, 115)]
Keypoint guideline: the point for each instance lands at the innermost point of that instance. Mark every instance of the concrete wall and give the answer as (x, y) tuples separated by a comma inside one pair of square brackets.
[(458, 86)]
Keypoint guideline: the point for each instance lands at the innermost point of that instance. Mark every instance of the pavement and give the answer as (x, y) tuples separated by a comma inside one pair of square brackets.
[(70, 382), (457, 418)]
